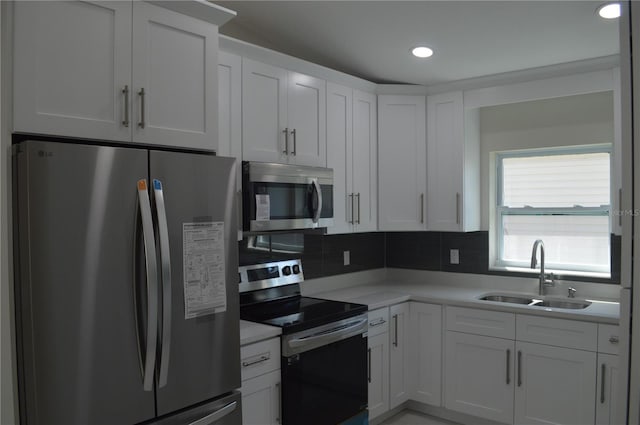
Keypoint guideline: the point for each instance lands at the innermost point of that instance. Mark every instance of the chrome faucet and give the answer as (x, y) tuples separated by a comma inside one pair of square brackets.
[(534, 261)]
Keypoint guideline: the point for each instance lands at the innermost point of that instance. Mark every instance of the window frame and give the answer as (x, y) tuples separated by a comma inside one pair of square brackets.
[(501, 210)]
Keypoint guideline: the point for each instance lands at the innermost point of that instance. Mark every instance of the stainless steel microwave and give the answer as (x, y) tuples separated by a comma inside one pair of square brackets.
[(286, 197)]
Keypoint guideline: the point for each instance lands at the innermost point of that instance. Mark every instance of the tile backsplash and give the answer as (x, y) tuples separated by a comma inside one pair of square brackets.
[(324, 255)]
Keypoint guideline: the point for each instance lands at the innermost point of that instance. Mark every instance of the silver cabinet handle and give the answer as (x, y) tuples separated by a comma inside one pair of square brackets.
[(125, 92), (508, 366), (217, 415), (395, 337), (422, 208), (378, 323), (352, 213), (279, 394), (614, 339), (141, 93), (358, 203), (144, 206), (239, 208), (286, 141), (262, 358), (457, 208), (165, 262), (369, 365), (602, 382), (318, 190), (519, 368), (293, 133)]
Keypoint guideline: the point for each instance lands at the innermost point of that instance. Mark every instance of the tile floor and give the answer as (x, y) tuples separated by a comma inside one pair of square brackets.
[(409, 417)]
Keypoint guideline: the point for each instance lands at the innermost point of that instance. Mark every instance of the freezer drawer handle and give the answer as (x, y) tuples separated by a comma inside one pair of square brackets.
[(144, 206), (217, 415), (165, 262)]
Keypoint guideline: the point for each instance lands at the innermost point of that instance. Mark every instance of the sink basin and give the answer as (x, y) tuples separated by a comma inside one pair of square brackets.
[(576, 305), (513, 299)]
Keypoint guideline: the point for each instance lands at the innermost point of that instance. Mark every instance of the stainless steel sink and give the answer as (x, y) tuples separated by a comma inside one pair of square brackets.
[(533, 301), (574, 305), (513, 299)]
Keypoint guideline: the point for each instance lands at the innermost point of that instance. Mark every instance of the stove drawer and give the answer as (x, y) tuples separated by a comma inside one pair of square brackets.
[(259, 358)]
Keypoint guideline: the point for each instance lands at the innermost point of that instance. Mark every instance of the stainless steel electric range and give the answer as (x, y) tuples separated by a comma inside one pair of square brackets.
[(324, 345)]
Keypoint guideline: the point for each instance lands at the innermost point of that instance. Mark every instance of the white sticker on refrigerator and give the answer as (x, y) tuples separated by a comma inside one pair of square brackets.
[(203, 253), (263, 208)]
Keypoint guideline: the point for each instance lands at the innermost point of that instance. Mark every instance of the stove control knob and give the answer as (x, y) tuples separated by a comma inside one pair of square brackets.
[(286, 270), (296, 269)]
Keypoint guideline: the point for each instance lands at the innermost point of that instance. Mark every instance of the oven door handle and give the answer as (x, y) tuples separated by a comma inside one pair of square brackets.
[(330, 335)]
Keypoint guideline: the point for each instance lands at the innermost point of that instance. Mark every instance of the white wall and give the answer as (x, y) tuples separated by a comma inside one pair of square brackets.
[(565, 121)]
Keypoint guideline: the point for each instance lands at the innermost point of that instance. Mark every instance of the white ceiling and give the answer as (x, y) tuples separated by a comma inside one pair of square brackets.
[(372, 39)]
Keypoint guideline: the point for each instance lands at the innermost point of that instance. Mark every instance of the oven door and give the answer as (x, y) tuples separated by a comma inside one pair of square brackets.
[(326, 384)]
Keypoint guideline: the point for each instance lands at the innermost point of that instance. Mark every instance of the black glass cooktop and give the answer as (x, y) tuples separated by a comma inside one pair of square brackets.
[(298, 313)]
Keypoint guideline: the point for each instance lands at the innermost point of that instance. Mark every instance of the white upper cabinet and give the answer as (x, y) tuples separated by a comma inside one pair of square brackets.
[(125, 71), (72, 61), (402, 162), (174, 79), (453, 158), (283, 115), (352, 154)]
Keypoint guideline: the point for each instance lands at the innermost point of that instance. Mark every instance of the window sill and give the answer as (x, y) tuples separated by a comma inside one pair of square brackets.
[(559, 273)]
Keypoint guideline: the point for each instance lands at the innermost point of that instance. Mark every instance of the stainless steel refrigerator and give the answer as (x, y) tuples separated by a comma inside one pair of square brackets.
[(126, 285)]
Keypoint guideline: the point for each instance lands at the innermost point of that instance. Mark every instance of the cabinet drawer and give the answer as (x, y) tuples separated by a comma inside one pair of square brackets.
[(558, 332), (259, 358), (378, 321), (481, 322), (609, 339)]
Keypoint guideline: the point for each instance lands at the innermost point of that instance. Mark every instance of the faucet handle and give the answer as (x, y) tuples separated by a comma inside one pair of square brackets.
[(571, 292), (550, 281)]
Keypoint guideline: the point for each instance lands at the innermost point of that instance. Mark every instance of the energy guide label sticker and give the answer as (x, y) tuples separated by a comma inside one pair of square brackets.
[(204, 268), (263, 208)]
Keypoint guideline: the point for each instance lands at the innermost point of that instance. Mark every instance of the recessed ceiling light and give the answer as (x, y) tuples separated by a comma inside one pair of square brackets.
[(609, 10), (421, 52)]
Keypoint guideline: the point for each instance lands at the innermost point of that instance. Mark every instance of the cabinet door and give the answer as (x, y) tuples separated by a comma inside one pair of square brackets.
[(365, 161), (72, 61), (398, 354), (402, 162), (609, 401), (425, 361), (175, 79), (339, 155), (378, 352), (445, 161), (261, 399), (230, 116), (479, 376), (554, 385), (264, 113), (307, 114)]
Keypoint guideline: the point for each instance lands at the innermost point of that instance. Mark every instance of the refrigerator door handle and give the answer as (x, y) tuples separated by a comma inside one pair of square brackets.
[(152, 285), (217, 415), (165, 263)]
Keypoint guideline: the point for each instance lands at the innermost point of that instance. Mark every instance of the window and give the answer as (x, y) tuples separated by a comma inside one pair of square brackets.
[(561, 196)]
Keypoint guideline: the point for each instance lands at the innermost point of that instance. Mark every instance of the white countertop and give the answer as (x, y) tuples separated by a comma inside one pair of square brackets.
[(253, 332), (391, 292)]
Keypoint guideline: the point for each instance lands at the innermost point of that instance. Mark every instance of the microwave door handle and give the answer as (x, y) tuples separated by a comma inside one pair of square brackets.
[(318, 211)]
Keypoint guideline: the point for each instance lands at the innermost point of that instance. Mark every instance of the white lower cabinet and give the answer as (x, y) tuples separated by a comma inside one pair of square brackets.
[(554, 385), (425, 354), (260, 368), (609, 409), (479, 376), (399, 388), (378, 375)]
